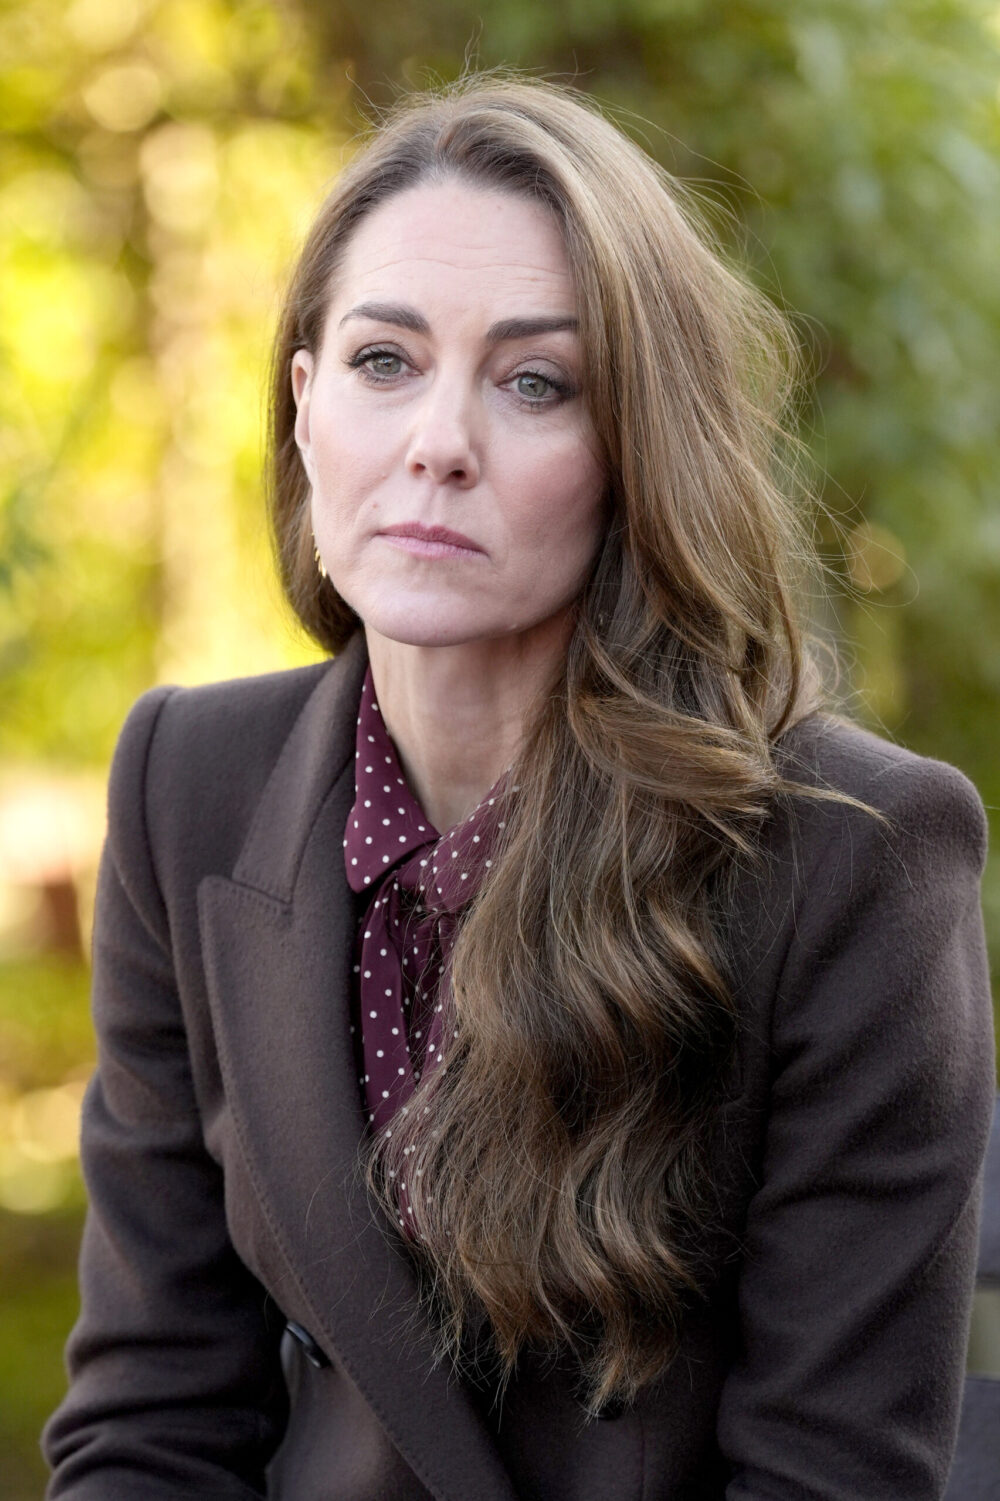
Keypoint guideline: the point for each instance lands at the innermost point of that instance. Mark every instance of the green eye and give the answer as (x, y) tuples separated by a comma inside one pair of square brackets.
[(384, 364), (532, 385)]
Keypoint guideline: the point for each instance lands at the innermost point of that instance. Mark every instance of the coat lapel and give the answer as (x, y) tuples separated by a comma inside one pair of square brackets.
[(277, 940)]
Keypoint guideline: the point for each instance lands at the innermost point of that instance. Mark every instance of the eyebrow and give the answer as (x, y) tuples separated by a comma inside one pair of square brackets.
[(404, 316)]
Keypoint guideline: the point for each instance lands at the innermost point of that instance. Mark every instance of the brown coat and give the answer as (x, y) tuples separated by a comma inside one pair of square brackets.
[(221, 1134)]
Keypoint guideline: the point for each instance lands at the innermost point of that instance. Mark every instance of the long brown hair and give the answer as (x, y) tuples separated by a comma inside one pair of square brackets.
[(556, 1164)]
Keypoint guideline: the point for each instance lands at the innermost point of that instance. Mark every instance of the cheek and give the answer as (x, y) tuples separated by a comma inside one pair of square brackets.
[(348, 466), (560, 505)]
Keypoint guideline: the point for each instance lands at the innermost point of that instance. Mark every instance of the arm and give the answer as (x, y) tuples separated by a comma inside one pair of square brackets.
[(861, 1240), (174, 1369)]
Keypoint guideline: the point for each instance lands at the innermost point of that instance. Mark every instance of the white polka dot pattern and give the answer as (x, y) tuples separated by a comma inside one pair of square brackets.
[(418, 881)]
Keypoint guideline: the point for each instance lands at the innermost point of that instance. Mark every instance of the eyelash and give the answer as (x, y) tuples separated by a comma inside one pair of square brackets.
[(360, 361)]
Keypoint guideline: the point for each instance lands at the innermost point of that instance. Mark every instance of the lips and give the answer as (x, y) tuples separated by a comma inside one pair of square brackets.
[(433, 537)]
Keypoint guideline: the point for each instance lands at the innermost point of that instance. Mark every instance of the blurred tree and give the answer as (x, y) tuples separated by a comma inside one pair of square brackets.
[(162, 160), (164, 155)]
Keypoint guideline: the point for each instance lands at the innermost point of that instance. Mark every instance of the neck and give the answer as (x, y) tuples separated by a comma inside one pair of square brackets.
[(458, 714)]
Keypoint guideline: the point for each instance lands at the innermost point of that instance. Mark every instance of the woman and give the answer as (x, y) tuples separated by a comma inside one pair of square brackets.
[(542, 1054)]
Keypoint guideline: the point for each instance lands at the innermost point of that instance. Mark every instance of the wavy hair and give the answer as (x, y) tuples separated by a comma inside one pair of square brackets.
[(557, 1164)]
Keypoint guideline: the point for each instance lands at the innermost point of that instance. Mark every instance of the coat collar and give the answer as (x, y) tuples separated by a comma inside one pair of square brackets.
[(277, 940), (317, 756)]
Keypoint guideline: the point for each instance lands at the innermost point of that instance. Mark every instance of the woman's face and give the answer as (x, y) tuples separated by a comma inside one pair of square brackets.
[(457, 486)]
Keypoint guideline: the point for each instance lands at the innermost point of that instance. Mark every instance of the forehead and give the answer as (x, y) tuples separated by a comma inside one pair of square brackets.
[(462, 245)]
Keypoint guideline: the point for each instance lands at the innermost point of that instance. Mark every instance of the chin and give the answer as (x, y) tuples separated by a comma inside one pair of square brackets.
[(436, 627), (418, 619)]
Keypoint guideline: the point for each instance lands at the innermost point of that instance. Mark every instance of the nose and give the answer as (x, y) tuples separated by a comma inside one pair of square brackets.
[(442, 442)]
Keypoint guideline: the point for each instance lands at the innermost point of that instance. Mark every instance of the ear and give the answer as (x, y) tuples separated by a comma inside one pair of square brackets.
[(302, 379)]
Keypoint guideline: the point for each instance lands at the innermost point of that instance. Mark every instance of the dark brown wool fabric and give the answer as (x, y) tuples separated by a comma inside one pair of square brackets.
[(222, 1131)]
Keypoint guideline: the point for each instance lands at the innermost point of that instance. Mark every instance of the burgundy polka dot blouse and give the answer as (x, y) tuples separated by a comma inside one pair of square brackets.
[(419, 882)]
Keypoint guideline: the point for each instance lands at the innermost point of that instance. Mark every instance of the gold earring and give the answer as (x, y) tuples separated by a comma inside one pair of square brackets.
[(319, 562)]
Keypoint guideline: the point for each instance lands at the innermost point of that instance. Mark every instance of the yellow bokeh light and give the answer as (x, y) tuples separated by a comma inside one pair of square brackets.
[(180, 176), (32, 1187), (45, 1123), (39, 1145), (125, 96), (135, 392), (99, 26)]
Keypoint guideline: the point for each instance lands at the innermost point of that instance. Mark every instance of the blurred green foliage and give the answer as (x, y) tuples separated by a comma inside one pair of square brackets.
[(38, 1306), (46, 1049), (162, 162), (162, 159), (45, 1031)]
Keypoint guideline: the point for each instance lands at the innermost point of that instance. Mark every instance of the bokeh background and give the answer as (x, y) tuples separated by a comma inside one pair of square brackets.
[(161, 160)]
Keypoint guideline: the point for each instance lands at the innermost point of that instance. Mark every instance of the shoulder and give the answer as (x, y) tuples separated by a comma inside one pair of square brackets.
[(189, 735), (855, 942), (897, 795), (866, 832), (191, 766)]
